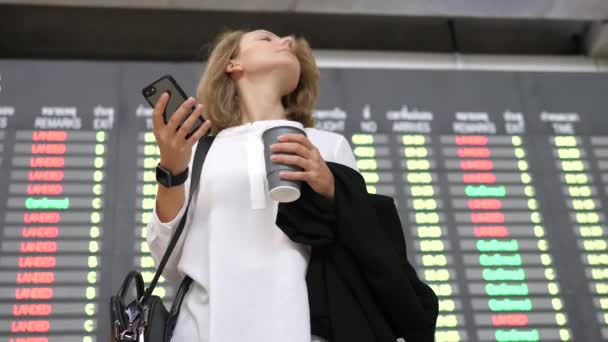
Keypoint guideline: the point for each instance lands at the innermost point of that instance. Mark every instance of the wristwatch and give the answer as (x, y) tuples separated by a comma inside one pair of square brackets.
[(166, 178)]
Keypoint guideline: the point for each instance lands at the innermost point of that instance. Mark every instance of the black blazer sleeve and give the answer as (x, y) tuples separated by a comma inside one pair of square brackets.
[(392, 281), (309, 219), (359, 238), (387, 215)]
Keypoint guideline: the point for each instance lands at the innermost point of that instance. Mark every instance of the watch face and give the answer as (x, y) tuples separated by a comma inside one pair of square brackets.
[(162, 176)]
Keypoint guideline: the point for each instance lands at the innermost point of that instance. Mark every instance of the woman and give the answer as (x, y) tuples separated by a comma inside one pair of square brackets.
[(248, 276)]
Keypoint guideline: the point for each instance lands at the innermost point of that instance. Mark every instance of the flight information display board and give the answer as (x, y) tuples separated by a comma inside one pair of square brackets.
[(500, 179)]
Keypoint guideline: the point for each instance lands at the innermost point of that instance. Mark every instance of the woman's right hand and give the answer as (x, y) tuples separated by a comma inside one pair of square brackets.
[(175, 149)]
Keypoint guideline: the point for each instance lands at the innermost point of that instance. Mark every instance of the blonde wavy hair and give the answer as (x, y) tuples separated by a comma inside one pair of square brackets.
[(219, 94)]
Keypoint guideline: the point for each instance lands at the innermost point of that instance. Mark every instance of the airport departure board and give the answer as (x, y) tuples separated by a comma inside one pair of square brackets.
[(500, 179)]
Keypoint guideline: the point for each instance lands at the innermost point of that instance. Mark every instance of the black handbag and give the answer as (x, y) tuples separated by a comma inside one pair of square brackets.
[(146, 318)]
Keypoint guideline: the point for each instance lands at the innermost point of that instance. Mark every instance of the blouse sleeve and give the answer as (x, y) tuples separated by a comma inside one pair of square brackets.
[(343, 154), (159, 233)]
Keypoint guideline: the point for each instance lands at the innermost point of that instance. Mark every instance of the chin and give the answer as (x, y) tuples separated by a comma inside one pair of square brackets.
[(289, 84), (291, 76), (286, 71)]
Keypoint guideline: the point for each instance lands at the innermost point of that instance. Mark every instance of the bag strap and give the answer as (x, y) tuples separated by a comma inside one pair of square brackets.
[(200, 154)]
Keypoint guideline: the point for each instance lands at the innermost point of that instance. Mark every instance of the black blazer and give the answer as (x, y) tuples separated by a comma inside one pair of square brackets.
[(361, 286)]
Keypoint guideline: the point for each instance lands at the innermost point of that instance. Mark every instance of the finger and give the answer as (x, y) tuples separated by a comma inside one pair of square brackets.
[(199, 133), (292, 160), (294, 147), (295, 175), (300, 138), (186, 127), (180, 113), (158, 111)]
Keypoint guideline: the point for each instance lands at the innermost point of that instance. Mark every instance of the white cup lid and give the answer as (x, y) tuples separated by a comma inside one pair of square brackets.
[(284, 194)]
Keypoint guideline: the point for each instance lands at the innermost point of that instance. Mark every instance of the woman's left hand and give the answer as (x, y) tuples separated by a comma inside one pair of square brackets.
[(315, 171)]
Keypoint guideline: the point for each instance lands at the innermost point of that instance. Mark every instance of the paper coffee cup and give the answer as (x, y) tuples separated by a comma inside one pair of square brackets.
[(281, 190)]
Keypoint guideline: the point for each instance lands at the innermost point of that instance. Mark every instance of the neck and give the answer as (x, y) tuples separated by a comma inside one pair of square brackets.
[(261, 101)]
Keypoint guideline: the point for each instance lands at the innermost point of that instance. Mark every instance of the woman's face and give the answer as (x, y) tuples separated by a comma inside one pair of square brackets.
[(263, 52)]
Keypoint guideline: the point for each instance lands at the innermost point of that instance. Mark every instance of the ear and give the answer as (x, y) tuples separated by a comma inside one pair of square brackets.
[(233, 66)]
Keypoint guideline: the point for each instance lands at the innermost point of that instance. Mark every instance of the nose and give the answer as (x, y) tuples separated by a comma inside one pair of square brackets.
[(288, 41)]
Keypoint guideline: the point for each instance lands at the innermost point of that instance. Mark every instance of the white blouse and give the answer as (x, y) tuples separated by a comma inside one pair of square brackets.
[(249, 277)]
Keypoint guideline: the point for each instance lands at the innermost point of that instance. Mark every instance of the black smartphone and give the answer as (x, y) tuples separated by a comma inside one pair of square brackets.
[(177, 96)]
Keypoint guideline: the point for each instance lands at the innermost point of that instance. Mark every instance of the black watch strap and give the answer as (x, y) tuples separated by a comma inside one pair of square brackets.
[(166, 178)]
